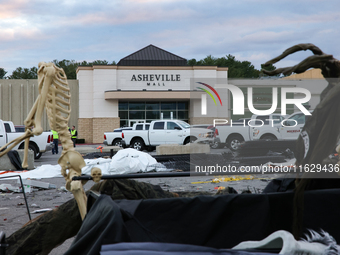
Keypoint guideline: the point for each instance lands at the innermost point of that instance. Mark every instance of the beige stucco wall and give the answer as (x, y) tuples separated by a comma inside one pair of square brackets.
[(309, 74), (92, 129), (18, 96)]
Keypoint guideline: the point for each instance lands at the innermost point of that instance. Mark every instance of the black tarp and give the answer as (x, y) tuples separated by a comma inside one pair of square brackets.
[(15, 159), (168, 249), (212, 221)]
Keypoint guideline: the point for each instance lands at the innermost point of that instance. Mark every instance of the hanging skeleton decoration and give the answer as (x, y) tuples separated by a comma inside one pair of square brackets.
[(321, 131), (54, 95)]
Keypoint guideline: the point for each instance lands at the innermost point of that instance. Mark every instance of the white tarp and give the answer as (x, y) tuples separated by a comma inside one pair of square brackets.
[(123, 162)]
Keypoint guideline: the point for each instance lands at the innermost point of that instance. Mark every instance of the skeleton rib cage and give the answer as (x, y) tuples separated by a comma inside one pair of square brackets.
[(58, 107)]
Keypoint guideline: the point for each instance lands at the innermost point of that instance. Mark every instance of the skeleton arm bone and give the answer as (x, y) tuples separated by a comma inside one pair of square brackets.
[(14, 142), (44, 86)]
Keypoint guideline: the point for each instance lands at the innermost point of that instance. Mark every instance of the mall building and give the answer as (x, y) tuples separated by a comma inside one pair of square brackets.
[(147, 85), (153, 83)]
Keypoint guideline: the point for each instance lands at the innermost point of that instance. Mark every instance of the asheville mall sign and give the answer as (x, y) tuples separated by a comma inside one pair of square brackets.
[(156, 79)]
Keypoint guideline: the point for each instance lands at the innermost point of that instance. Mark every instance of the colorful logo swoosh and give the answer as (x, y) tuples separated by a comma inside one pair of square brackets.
[(209, 93)]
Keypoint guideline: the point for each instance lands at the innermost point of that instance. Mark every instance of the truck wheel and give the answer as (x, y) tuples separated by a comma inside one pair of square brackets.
[(215, 145), (117, 142), (32, 147), (190, 139), (268, 137), (234, 141), (38, 155), (138, 144), (35, 152)]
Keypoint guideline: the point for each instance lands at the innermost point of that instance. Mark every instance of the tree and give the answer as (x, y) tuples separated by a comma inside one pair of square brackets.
[(69, 66), (270, 67), (236, 68), (97, 62), (24, 73), (2, 73)]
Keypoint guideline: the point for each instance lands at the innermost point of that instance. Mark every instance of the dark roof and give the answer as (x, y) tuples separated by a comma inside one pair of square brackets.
[(152, 56)]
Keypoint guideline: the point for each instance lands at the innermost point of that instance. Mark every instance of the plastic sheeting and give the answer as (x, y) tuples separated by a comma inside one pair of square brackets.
[(123, 162)]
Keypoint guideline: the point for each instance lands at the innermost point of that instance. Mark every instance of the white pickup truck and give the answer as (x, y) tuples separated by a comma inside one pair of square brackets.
[(166, 132), (38, 144), (289, 129), (115, 138), (233, 134)]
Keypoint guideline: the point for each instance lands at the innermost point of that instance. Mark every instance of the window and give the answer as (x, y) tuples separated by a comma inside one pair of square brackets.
[(151, 110), (184, 124), (277, 119), (7, 128), (158, 125), (139, 115), (136, 105), (264, 118), (123, 105), (300, 118), (152, 106), (171, 125), (167, 114), (153, 115), (139, 127), (168, 106)]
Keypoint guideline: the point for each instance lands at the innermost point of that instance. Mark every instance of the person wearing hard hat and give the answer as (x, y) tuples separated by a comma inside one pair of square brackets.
[(74, 134), (55, 142)]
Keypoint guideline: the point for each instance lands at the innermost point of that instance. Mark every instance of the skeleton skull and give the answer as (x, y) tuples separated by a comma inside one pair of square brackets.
[(96, 174)]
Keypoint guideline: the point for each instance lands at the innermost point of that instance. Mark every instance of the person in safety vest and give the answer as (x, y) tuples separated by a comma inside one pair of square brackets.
[(55, 142), (74, 134)]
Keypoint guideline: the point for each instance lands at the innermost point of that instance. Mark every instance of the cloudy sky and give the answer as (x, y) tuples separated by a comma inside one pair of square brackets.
[(255, 30)]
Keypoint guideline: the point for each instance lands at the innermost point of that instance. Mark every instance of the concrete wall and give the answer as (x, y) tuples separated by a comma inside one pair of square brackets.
[(18, 96)]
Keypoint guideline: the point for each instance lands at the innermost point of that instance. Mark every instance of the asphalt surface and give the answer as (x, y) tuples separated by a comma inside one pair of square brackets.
[(13, 212)]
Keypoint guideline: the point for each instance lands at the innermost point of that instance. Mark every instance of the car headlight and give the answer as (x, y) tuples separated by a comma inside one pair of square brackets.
[(203, 135), (256, 131)]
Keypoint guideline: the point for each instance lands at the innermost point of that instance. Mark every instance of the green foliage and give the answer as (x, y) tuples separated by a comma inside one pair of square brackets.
[(236, 68), (97, 62), (69, 66), (24, 73), (270, 67), (2, 73)]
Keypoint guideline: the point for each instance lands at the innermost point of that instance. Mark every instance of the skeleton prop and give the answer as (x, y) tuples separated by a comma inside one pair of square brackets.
[(321, 131), (54, 95)]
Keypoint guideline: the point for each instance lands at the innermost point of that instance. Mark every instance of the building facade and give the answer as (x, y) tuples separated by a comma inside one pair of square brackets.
[(147, 85), (152, 83)]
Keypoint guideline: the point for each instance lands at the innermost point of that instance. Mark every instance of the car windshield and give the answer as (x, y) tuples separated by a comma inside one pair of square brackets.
[(183, 124)]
